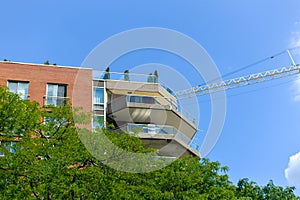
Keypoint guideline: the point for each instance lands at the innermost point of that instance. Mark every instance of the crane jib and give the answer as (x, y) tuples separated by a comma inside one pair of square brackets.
[(240, 81)]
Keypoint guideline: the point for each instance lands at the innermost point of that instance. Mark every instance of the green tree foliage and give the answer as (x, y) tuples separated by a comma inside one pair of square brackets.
[(16, 116), (51, 162), (248, 190)]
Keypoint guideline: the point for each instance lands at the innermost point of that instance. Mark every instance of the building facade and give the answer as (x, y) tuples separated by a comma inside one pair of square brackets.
[(134, 103)]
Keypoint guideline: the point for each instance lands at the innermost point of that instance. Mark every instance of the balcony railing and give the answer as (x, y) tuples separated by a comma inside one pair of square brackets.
[(55, 100), (132, 77), (157, 129), (161, 101), (195, 146)]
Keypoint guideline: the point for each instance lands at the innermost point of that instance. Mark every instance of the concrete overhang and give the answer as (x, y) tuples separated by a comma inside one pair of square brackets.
[(168, 145), (141, 88), (123, 112)]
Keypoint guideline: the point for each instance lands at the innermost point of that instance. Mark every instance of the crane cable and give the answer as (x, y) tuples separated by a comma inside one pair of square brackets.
[(252, 64)]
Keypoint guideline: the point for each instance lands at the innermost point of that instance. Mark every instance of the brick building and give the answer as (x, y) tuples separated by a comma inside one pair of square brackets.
[(130, 102)]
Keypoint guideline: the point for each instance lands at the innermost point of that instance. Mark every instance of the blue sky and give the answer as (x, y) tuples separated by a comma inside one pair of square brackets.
[(261, 131)]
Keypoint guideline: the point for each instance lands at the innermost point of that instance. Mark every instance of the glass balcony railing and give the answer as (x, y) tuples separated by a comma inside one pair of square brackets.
[(195, 146), (157, 129), (55, 101), (165, 103), (161, 101), (132, 77), (161, 129)]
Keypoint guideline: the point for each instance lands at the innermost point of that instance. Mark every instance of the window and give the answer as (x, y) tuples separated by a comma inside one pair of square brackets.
[(98, 107), (52, 125), (142, 99), (98, 98), (55, 122), (20, 88), (56, 94), (148, 100), (135, 99), (98, 121), (9, 146), (98, 95)]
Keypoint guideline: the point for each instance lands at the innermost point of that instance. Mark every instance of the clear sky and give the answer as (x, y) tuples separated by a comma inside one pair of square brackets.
[(262, 129)]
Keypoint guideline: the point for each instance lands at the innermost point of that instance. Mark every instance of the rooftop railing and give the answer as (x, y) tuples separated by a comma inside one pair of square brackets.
[(132, 77)]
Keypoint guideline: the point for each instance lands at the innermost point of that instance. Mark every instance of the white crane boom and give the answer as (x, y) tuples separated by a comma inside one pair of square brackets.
[(240, 81)]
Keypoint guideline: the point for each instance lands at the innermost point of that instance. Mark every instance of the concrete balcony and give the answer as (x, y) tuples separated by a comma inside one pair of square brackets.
[(125, 109), (167, 139)]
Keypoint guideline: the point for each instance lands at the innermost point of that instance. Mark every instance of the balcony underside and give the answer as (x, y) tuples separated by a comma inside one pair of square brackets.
[(168, 145)]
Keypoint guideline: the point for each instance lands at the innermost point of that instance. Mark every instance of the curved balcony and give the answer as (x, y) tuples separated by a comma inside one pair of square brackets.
[(149, 110), (167, 139)]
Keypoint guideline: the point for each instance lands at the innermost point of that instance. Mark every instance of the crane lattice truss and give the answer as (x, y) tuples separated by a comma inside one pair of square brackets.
[(240, 81)]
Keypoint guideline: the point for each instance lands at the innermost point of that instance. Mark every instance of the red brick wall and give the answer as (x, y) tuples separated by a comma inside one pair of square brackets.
[(79, 81)]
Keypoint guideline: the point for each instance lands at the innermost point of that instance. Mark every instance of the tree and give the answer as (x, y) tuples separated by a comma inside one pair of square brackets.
[(150, 78), (155, 77), (46, 149), (107, 73), (271, 191), (51, 162), (17, 116), (126, 75), (248, 190)]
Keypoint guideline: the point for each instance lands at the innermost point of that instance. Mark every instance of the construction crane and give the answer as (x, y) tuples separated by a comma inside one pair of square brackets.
[(242, 81)]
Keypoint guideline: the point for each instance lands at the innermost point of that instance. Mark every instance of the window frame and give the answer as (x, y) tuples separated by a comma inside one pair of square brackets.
[(18, 82), (56, 98), (98, 105)]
